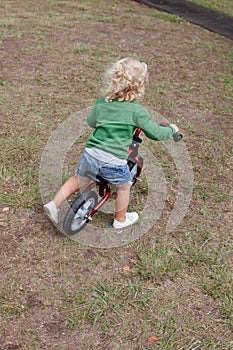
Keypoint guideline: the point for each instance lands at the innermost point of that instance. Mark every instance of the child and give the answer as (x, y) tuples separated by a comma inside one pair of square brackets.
[(114, 118)]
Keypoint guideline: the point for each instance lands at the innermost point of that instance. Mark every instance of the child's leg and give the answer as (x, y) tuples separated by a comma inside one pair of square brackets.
[(70, 186), (122, 202), (122, 218)]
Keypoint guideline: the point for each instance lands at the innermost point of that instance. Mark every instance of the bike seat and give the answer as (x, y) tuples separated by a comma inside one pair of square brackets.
[(95, 177)]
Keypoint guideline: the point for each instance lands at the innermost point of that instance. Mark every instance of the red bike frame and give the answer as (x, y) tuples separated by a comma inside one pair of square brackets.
[(104, 188)]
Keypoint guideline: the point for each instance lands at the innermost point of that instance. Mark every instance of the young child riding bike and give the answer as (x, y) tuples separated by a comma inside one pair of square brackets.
[(114, 117)]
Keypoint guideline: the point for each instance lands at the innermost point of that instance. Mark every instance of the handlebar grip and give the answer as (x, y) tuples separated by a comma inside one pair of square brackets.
[(177, 137)]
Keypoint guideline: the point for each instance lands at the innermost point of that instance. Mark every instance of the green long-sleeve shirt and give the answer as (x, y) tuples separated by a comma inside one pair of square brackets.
[(115, 123)]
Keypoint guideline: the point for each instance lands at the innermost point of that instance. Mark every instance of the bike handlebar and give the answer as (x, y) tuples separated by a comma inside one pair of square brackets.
[(176, 137)]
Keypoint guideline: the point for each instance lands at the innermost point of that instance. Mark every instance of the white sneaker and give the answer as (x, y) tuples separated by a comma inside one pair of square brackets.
[(131, 218), (52, 211)]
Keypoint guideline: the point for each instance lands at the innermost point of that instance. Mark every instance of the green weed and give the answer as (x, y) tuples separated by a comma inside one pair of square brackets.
[(168, 17), (195, 255), (158, 263), (106, 301), (79, 49), (7, 308), (224, 6)]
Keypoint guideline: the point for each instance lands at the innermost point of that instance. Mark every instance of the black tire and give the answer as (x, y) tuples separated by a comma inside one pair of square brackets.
[(75, 219), (135, 171)]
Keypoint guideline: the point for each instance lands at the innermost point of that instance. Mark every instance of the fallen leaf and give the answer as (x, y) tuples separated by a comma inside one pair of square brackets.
[(5, 210), (152, 339), (24, 220), (10, 306), (127, 269), (8, 342), (170, 201)]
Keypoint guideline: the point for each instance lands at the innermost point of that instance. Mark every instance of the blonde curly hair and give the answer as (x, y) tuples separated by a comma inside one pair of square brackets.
[(125, 80)]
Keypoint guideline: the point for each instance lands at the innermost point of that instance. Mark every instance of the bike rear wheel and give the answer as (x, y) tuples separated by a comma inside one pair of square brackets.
[(76, 216), (135, 170)]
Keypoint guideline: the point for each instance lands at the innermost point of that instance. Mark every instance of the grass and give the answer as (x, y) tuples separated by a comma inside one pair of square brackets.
[(168, 17), (107, 301), (8, 309), (158, 263), (19, 171), (224, 6), (217, 283), (179, 286), (106, 304)]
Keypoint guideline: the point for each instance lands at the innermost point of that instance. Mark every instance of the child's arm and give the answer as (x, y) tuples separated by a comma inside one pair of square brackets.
[(153, 130), (175, 127), (157, 132), (91, 119)]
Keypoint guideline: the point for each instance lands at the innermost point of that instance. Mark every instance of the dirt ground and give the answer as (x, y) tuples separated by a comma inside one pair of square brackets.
[(57, 294)]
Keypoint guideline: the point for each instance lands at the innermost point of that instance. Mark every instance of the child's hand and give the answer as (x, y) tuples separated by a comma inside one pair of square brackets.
[(174, 127)]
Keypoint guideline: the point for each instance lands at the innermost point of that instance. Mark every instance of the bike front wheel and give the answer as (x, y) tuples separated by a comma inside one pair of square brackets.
[(76, 217)]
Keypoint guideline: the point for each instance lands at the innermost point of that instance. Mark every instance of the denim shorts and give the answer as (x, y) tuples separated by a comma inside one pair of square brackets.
[(115, 174)]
